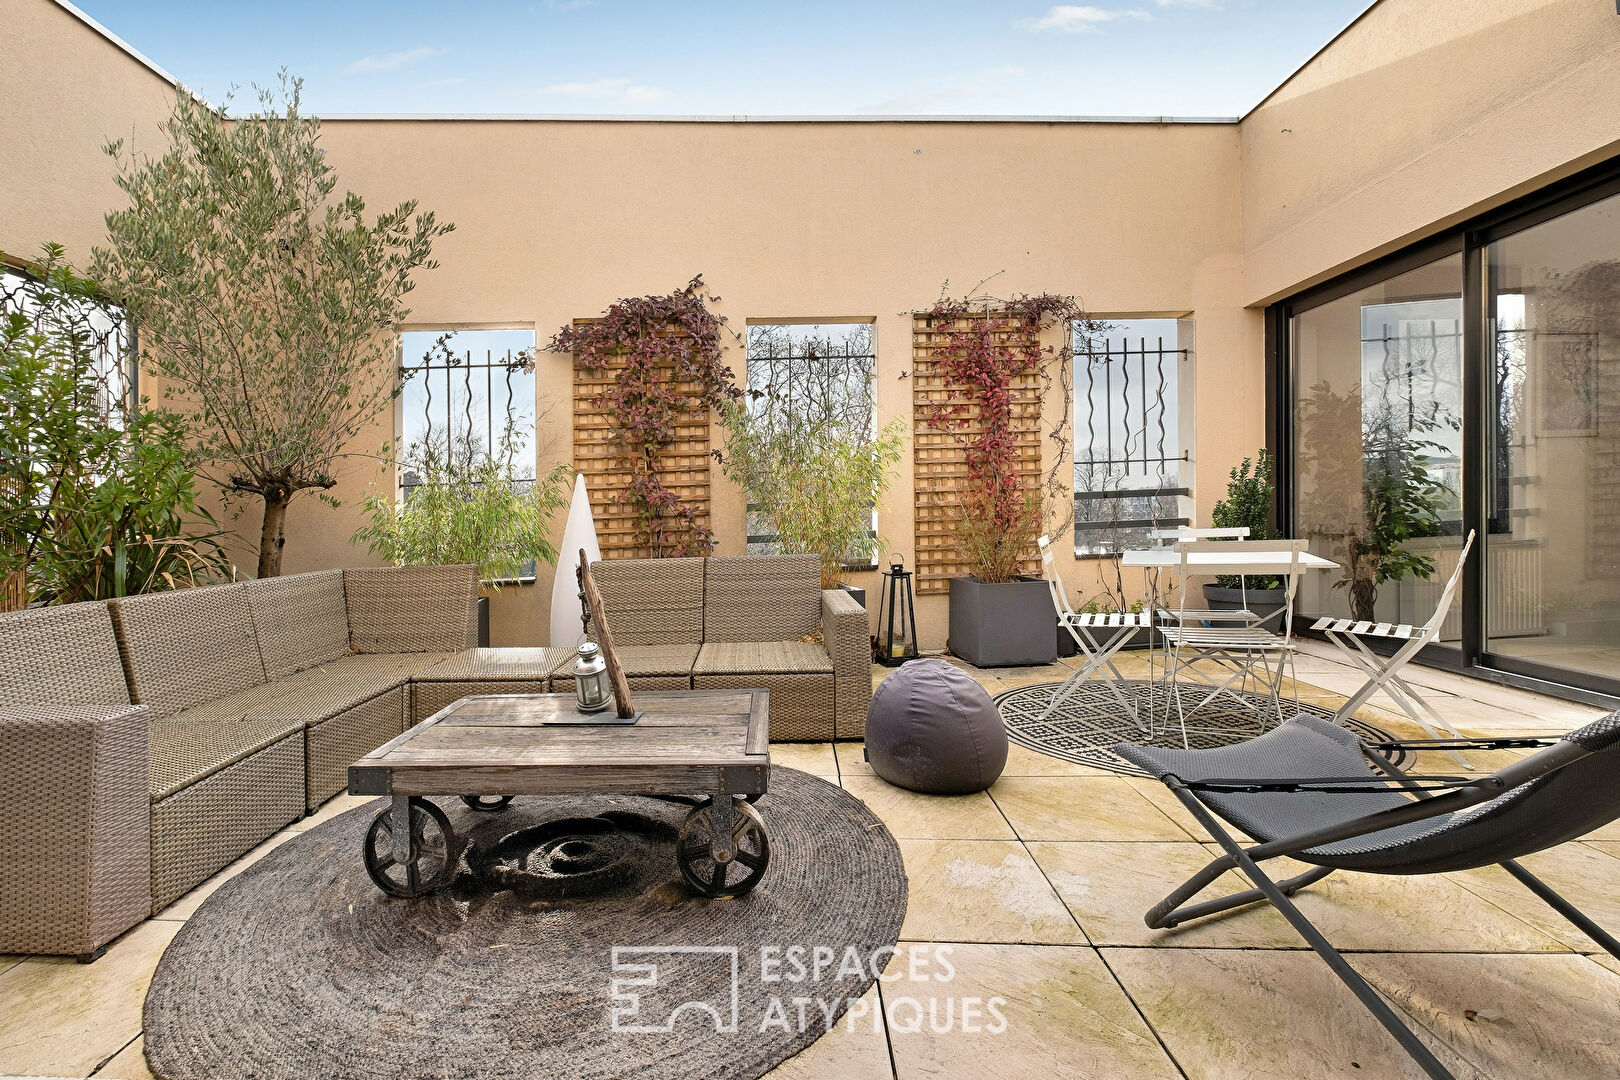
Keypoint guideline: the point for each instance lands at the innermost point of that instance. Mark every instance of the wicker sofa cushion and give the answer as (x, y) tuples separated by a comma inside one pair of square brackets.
[(760, 597), (188, 646), (652, 601), (65, 655), (762, 658), (184, 752), (403, 609), (300, 620)]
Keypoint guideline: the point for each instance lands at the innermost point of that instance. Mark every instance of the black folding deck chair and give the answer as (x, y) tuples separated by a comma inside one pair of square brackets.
[(1314, 792)]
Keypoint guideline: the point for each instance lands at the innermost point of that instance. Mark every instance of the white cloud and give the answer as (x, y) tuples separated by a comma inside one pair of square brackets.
[(1078, 18), (1212, 4), (622, 90), (993, 82), (569, 5), (391, 61)]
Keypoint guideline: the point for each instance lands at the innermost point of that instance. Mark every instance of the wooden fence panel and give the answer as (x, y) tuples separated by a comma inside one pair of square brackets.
[(940, 459), (684, 465)]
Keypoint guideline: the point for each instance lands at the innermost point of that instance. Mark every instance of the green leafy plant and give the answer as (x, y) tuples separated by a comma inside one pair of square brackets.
[(987, 344), (811, 478), (463, 505), (96, 498), (1250, 491), (668, 352), (263, 299)]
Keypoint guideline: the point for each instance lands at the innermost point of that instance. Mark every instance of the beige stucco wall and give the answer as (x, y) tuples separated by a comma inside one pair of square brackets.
[(555, 220), (65, 91), (1423, 112)]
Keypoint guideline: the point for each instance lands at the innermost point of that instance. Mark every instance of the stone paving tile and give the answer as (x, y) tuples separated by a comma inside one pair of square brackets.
[(850, 759), (1267, 1015), (1109, 887), (1022, 761), (1584, 874), (981, 891), (1378, 912), (1081, 808), (129, 1064), (1510, 1016), (1018, 1012), (910, 815), (64, 1018), (817, 759), (856, 1048)]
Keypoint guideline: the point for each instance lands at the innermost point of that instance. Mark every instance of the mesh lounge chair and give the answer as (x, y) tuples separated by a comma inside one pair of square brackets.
[(1309, 790)]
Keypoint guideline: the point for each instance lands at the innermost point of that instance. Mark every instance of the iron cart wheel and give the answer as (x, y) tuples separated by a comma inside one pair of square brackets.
[(717, 869), (432, 845), (487, 804)]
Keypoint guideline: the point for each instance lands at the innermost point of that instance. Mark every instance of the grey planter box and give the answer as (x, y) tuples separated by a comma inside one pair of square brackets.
[(1003, 625), (856, 591), (1263, 602)]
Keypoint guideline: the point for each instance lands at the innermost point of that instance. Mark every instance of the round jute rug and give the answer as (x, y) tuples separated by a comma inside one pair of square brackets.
[(1090, 721), (299, 967)]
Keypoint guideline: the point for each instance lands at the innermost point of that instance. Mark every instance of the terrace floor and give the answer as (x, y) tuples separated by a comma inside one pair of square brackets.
[(1040, 886)]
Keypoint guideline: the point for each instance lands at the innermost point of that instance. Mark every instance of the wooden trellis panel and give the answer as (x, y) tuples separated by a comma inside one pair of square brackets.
[(941, 466), (685, 464)]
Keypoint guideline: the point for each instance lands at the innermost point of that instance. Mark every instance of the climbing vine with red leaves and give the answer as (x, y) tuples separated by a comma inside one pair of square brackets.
[(988, 344), (667, 354)]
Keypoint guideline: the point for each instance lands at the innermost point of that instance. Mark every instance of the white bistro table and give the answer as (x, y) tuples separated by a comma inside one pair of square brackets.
[(1221, 562), (1250, 563)]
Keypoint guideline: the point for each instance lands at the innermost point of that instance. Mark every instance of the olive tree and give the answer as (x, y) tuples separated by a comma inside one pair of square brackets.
[(263, 300)]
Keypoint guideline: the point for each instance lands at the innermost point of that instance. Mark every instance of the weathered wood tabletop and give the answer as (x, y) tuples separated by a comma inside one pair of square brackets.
[(697, 741)]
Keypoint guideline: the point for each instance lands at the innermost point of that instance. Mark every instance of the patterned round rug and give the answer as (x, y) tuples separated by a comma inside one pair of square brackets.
[(300, 967), (1090, 721)]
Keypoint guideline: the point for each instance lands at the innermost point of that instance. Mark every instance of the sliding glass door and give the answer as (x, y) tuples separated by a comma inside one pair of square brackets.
[(1471, 383), (1377, 447), (1552, 555)]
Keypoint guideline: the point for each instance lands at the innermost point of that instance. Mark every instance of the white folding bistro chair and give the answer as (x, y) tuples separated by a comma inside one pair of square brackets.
[(1083, 626), (1384, 671), (1204, 616), (1242, 655)]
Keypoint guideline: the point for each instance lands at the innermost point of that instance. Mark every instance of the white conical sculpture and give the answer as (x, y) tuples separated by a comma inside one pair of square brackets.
[(579, 532)]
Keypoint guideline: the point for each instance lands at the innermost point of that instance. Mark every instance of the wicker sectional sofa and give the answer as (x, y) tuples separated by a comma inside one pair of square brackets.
[(145, 743), (148, 742)]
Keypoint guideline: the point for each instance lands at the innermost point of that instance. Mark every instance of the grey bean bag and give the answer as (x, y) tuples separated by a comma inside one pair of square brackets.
[(932, 728)]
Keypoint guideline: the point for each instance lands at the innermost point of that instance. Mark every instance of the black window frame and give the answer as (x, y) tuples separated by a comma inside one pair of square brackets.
[(1470, 238)]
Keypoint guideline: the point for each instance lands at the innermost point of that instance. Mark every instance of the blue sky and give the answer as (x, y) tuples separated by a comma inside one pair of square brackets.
[(1110, 57)]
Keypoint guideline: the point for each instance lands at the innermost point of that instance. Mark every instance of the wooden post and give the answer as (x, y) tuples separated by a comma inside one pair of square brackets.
[(604, 637)]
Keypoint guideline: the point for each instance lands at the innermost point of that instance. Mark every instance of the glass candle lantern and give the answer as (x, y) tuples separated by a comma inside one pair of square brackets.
[(897, 621), (591, 692)]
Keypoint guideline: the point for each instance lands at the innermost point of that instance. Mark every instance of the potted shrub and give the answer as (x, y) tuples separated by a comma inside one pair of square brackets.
[(465, 506), (1249, 494), (999, 616)]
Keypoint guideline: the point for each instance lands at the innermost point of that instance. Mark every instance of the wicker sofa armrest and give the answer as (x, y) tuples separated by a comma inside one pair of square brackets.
[(402, 609), (77, 842), (848, 634)]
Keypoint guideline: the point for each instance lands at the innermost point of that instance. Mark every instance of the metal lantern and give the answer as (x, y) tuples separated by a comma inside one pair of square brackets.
[(897, 625), (591, 692)]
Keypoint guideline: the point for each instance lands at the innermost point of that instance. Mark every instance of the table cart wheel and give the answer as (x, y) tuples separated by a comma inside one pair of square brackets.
[(723, 854), (428, 861), (486, 804)]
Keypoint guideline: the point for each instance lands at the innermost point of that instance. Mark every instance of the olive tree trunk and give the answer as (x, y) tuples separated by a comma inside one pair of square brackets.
[(273, 535)]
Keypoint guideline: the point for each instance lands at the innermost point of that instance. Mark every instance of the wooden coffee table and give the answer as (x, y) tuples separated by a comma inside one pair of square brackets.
[(709, 749)]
